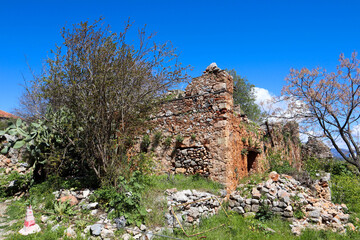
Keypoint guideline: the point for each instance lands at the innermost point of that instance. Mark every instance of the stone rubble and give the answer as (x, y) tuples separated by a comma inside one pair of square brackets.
[(315, 148), (9, 165), (192, 213), (284, 196)]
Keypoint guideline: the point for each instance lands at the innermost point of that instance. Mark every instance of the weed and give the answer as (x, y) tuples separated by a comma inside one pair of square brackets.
[(244, 151), (179, 138), (13, 183), (168, 142), (156, 140), (63, 208), (279, 164), (250, 141), (145, 143), (346, 189), (264, 212)]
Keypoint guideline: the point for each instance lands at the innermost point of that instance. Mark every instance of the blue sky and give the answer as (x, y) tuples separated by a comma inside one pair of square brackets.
[(261, 40)]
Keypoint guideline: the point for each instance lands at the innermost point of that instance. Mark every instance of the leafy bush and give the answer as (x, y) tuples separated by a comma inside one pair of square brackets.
[(124, 199), (63, 208), (250, 141), (244, 151), (244, 95), (346, 189), (20, 182), (193, 137), (6, 123), (280, 165), (333, 166), (264, 213), (111, 85), (142, 163)]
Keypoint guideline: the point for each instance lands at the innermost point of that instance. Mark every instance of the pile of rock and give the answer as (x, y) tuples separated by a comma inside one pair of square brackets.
[(103, 228), (192, 160), (74, 196), (9, 165), (284, 196), (190, 206), (141, 233)]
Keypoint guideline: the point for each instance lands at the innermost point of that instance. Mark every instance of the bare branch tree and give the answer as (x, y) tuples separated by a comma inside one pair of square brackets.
[(328, 104)]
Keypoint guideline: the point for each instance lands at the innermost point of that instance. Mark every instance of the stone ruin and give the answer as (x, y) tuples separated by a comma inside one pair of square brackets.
[(316, 148), (278, 194), (302, 206), (202, 132)]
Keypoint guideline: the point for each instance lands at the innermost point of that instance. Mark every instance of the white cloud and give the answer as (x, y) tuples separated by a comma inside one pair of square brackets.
[(269, 103), (262, 95)]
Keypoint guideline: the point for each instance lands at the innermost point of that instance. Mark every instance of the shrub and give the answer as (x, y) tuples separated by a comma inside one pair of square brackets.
[(51, 144), (250, 141), (110, 84), (264, 213), (124, 199), (157, 139), (280, 165), (333, 166), (179, 138), (19, 182), (168, 142), (346, 189), (145, 143), (193, 137)]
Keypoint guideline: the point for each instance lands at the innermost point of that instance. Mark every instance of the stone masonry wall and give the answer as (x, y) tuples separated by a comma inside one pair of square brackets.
[(201, 133), (284, 138)]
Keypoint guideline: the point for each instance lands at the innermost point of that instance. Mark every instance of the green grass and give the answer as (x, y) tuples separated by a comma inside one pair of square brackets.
[(181, 182), (238, 227)]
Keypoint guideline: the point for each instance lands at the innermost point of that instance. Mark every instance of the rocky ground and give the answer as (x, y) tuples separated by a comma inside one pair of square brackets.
[(303, 206)]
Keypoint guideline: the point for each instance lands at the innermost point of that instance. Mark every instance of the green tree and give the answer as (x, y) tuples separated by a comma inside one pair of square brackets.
[(110, 86), (245, 96)]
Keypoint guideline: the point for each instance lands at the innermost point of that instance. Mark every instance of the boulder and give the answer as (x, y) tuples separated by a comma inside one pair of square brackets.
[(72, 200), (96, 229)]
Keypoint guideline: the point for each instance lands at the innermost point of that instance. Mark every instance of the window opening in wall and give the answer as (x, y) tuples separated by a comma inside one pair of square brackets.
[(251, 163)]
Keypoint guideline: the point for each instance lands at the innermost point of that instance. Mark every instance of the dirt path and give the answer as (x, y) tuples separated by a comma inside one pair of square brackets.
[(4, 221)]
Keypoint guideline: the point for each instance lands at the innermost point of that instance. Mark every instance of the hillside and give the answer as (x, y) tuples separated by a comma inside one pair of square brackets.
[(337, 155)]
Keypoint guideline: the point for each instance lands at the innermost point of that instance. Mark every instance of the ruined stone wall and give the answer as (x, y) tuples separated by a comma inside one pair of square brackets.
[(201, 133), (201, 119), (284, 139)]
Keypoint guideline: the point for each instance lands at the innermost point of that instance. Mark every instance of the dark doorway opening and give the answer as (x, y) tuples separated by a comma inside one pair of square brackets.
[(251, 161)]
